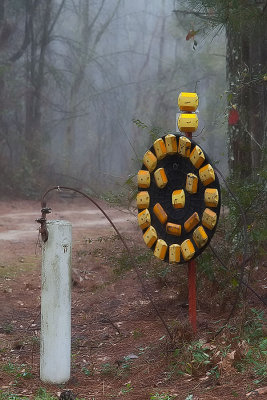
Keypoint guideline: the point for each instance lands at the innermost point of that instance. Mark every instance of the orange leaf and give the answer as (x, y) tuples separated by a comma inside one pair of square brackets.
[(190, 34), (233, 117)]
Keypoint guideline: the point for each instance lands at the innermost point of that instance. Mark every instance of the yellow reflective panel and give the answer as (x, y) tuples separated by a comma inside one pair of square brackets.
[(143, 179), (197, 157), (160, 178), (160, 148), (143, 199), (187, 249), (187, 122), (184, 146), (211, 197), (174, 253), (188, 101), (160, 249), (200, 237), (173, 229), (160, 213), (150, 236), (171, 144), (144, 219), (191, 183), (207, 174), (178, 198), (191, 222), (150, 161), (209, 218)]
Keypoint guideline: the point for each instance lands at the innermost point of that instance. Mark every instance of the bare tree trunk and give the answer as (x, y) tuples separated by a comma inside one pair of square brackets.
[(246, 60)]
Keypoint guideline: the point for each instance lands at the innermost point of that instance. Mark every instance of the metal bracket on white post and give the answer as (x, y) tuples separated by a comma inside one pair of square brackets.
[(55, 352)]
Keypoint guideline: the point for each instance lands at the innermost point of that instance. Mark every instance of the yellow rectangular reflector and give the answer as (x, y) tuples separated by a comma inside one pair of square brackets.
[(191, 222), (200, 237), (207, 174), (160, 213), (160, 148), (150, 236), (191, 183), (211, 197), (178, 198), (173, 229), (209, 218), (187, 249), (142, 199), (184, 146), (143, 179), (187, 122), (160, 178), (160, 249), (171, 144), (144, 219), (188, 101), (197, 157), (174, 253), (150, 161)]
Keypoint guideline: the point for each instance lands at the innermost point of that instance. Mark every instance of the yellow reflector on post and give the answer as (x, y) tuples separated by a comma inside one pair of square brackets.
[(187, 122), (188, 101)]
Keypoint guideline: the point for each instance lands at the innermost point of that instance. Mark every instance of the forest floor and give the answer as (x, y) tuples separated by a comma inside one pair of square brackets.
[(120, 348)]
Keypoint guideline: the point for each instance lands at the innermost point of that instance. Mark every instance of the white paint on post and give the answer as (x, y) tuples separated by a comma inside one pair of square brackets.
[(55, 352)]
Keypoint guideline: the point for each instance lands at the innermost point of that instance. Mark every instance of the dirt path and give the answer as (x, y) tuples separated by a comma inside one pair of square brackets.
[(119, 346)]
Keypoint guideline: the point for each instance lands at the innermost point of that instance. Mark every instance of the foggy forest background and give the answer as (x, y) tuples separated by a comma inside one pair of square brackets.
[(83, 83)]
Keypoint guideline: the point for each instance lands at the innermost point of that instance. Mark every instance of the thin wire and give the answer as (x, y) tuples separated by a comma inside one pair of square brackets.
[(58, 188)]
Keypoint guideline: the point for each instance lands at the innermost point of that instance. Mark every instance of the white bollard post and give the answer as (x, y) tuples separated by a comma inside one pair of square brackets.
[(55, 352)]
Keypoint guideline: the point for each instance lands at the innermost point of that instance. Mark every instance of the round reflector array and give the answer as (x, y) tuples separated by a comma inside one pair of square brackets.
[(178, 199)]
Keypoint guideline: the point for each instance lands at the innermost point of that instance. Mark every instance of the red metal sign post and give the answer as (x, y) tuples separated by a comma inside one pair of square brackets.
[(192, 283)]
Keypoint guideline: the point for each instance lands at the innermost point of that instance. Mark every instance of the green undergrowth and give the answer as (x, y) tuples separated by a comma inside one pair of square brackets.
[(18, 268), (41, 394), (241, 348)]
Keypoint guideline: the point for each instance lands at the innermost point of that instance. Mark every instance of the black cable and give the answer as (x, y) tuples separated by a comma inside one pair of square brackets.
[(243, 265), (58, 188), (243, 282)]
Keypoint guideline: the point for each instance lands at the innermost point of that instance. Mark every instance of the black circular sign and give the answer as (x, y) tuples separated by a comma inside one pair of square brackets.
[(178, 198)]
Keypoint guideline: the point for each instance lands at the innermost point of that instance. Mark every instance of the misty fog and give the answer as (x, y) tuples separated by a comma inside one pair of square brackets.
[(109, 62)]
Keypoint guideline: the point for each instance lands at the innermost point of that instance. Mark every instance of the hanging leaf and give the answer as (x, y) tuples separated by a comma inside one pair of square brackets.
[(233, 117), (191, 34)]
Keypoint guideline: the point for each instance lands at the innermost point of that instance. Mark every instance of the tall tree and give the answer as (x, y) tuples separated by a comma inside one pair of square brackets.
[(245, 25)]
